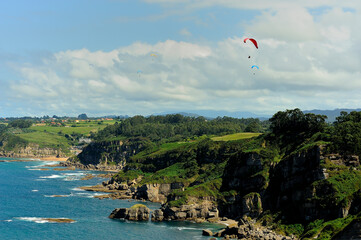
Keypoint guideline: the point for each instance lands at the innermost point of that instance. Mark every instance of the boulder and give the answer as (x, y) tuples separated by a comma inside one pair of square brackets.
[(138, 214), (118, 213), (157, 215), (135, 213), (207, 232)]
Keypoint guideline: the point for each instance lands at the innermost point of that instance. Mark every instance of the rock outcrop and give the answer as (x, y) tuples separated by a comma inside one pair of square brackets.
[(138, 213), (205, 210)]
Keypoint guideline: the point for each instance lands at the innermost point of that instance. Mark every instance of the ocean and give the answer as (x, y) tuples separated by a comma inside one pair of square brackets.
[(27, 197)]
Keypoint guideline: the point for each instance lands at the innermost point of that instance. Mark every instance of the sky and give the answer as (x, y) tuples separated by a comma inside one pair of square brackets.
[(130, 57)]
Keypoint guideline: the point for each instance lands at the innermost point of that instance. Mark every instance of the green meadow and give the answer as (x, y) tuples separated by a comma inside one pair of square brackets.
[(61, 136), (235, 136)]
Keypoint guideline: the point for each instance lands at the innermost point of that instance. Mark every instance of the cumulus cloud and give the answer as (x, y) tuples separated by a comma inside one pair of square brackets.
[(304, 62), (288, 24)]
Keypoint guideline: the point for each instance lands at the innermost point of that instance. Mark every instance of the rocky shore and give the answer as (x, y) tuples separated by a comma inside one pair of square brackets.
[(247, 229), (91, 167)]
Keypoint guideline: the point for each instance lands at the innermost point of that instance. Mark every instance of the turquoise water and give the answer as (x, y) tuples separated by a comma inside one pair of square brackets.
[(26, 196)]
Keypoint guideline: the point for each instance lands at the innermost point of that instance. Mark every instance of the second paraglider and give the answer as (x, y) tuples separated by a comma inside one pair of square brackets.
[(253, 67)]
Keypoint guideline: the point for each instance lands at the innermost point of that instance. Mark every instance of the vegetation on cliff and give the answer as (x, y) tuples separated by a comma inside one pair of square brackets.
[(298, 177)]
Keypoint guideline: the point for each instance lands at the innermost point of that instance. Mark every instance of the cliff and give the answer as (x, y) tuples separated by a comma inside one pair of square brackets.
[(109, 154), (32, 151), (210, 180)]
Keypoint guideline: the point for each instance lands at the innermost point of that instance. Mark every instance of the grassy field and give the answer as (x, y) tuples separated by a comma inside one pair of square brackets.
[(84, 130), (236, 136), (45, 139), (54, 136)]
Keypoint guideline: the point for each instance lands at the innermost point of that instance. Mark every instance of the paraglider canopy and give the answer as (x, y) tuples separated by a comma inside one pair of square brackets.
[(252, 40), (255, 66)]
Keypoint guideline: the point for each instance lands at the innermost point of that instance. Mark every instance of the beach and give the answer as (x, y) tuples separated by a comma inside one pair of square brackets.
[(54, 158)]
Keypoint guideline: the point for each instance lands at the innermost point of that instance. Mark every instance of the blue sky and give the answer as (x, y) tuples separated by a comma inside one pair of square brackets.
[(69, 57)]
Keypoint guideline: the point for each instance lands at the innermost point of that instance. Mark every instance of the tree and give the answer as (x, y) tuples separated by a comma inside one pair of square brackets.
[(346, 136), (254, 126), (83, 116), (20, 123), (292, 127)]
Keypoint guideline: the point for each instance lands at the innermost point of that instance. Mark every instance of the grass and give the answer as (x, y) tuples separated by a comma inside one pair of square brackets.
[(326, 230), (128, 175), (160, 149), (54, 137), (340, 187), (169, 146), (174, 173), (236, 136), (81, 129), (138, 206), (45, 139), (207, 189)]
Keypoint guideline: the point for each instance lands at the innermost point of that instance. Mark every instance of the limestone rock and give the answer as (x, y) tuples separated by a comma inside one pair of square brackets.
[(132, 214), (157, 215)]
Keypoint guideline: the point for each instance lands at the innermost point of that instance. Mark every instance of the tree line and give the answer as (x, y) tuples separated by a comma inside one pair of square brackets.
[(177, 127)]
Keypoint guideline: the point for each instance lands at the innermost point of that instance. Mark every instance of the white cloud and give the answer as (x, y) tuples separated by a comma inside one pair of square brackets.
[(304, 62), (288, 24)]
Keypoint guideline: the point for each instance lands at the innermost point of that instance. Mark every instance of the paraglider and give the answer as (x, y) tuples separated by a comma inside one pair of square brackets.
[(139, 72), (153, 56), (256, 45), (252, 40), (255, 66)]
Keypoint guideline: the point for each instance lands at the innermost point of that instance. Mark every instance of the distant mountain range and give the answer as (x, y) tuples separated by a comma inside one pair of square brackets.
[(210, 114)]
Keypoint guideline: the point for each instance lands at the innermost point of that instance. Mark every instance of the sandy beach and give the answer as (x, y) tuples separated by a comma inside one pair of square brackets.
[(54, 158)]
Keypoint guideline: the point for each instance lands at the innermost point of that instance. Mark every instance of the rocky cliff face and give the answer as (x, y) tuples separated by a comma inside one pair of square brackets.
[(154, 192), (33, 151), (291, 186), (266, 185), (244, 174), (109, 153)]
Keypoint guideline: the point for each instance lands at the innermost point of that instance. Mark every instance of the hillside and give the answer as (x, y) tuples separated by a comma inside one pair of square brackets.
[(47, 138), (301, 178)]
